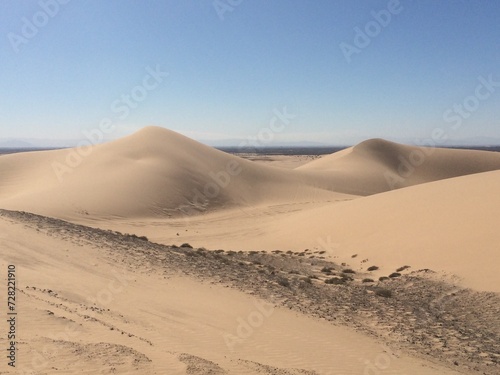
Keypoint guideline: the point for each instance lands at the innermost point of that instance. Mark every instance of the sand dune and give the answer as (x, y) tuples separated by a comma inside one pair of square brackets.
[(377, 165), (157, 172), (449, 225), (171, 188), (154, 172), (136, 314), (376, 204)]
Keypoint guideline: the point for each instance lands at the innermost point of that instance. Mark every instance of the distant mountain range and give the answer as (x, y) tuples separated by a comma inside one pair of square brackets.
[(30, 143)]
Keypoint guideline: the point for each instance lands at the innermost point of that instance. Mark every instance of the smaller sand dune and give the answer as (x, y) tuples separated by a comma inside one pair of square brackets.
[(449, 225), (377, 165)]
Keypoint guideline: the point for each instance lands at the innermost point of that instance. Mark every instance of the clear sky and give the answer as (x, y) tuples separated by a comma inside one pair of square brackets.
[(346, 70)]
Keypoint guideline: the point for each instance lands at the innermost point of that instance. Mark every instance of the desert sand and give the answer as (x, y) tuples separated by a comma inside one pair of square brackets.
[(282, 275)]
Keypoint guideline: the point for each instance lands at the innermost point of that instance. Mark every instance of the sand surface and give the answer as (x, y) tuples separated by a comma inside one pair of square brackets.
[(92, 299)]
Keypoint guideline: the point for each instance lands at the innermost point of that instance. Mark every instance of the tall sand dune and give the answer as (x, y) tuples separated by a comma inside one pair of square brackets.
[(154, 172), (159, 173)]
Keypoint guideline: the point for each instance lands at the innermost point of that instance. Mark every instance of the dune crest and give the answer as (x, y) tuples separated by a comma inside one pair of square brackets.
[(154, 172), (369, 238), (159, 173), (378, 165)]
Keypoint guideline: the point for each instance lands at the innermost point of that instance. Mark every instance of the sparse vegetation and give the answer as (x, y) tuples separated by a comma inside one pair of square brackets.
[(368, 280), (401, 309), (186, 245), (394, 274), (283, 281), (372, 268), (335, 281), (346, 277), (224, 260), (402, 268), (201, 252), (306, 280), (143, 238), (386, 293), (348, 270)]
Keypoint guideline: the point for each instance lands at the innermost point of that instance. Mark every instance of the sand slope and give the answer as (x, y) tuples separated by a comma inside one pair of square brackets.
[(159, 173), (136, 184), (154, 172), (449, 226), (378, 165), (131, 315), (377, 203)]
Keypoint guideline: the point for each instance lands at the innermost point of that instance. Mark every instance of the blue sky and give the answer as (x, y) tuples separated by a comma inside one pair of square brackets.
[(232, 64)]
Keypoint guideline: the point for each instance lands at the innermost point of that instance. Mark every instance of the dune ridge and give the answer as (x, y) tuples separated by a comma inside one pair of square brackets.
[(379, 243), (159, 173), (154, 172), (379, 165), (197, 323)]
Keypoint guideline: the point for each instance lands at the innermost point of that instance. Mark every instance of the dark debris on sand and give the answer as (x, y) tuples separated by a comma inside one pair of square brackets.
[(422, 315)]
